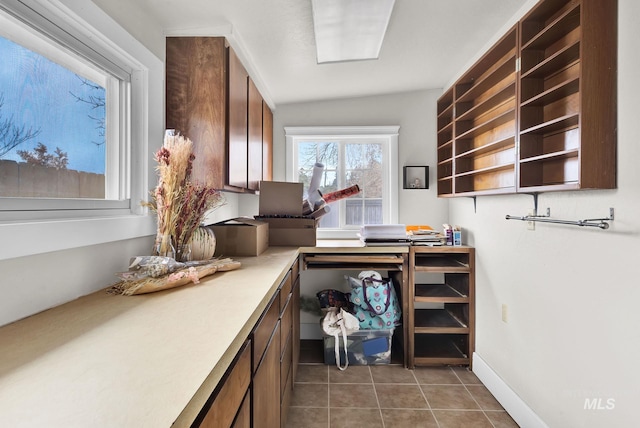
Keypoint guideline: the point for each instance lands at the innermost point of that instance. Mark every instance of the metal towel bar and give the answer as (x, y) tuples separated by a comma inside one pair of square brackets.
[(591, 222)]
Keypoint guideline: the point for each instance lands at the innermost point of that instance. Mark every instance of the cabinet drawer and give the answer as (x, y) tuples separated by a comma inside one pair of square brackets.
[(285, 291), (230, 396), (266, 385), (286, 400), (264, 329), (286, 322), (285, 364), (295, 270)]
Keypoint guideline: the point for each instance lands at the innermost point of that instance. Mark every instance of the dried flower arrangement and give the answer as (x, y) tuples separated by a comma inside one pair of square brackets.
[(179, 203)]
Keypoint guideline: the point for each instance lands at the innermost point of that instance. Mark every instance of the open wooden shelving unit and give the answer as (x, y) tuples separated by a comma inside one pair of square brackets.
[(440, 314), (538, 111)]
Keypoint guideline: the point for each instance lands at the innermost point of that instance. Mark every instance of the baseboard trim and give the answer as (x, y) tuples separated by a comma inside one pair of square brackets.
[(512, 403)]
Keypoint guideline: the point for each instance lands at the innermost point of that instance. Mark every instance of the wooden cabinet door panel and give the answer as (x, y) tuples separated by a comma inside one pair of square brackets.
[(196, 101), (263, 330), (237, 127), (254, 137), (230, 396), (285, 290), (295, 327), (267, 142), (266, 386), (243, 419)]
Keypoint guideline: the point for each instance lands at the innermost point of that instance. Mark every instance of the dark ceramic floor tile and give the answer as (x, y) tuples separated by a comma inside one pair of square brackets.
[(353, 374), (466, 376), (436, 376), (392, 374), (310, 395), (352, 395), (501, 420), (312, 351), (449, 397), (308, 417), (312, 373), (355, 418), (408, 418), (391, 396), (461, 419), (484, 398)]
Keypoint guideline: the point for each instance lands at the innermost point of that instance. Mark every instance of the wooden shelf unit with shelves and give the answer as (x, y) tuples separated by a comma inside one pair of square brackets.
[(485, 122), (445, 111), (568, 96), (440, 307), (546, 124)]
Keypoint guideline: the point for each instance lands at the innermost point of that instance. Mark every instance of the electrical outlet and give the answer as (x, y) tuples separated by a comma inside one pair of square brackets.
[(505, 312), (531, 225)]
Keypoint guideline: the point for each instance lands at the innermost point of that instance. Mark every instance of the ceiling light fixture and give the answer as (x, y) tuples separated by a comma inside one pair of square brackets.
[(350, 30)]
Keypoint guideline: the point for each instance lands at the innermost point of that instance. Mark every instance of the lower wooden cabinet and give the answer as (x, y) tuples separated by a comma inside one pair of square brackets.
[(266, 385), (295, 308), (243, 418), (227, 403), (256, 390)]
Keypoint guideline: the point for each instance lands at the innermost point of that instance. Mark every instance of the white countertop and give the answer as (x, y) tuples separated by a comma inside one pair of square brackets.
[(139, 361), (133, 361)]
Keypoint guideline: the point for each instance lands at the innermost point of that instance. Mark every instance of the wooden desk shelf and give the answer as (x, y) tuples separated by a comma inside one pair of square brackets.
[(443, 331)]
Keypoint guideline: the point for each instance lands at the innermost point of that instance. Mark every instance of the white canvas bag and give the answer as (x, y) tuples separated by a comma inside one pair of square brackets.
[(338, 322)]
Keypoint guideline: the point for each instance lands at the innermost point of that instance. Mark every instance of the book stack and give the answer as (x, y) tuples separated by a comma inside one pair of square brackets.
[(426, 237), (384, 235)]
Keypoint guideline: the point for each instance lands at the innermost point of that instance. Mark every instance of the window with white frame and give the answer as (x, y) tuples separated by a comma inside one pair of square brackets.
[(80, 38), (64, 120), (366, 156)]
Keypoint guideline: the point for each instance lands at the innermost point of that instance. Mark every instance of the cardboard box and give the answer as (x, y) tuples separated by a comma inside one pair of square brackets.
[(281, 208), (291, 232), (241, 237)]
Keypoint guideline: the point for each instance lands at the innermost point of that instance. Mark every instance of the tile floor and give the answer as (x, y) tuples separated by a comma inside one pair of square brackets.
[(390, 396)]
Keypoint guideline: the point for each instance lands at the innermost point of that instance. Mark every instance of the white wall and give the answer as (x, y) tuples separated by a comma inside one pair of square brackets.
[(572, 293)]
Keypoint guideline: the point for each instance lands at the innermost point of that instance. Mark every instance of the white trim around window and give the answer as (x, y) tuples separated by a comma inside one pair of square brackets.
[(293, 134), (32, 234)]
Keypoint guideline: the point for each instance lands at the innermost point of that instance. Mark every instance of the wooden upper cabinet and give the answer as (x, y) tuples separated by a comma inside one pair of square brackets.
[(238, 96), (196, 102), (211, 100), (267, 142), (254, 137)]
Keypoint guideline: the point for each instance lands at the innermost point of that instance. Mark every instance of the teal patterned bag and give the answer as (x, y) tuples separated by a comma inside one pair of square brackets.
[(376, 303)]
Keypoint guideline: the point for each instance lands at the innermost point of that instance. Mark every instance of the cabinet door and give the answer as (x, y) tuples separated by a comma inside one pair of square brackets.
[(243, 419), (266, 385), (254, 137), (264, 329), (230, 397), (237, 156), (295, 333), (267, 142), (196, 102)]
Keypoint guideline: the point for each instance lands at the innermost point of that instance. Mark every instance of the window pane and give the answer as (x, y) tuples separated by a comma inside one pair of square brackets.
[(52, 128), (310, 153), (364, 167)]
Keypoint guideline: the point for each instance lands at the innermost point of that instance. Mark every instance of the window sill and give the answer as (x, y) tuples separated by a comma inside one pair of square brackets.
[(37, 237)]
